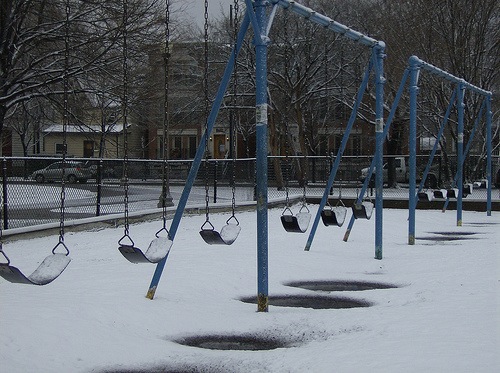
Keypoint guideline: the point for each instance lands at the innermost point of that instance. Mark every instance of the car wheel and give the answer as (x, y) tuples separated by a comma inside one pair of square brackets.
[(39, 179), (72, 179)]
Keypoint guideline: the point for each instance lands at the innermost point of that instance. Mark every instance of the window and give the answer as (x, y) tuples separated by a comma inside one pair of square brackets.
[(60, 148), (88, 148), (356, 145), (193, 145), (176, 150)]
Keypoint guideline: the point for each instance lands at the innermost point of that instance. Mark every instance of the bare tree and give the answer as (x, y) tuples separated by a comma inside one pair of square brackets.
[(32, 50)]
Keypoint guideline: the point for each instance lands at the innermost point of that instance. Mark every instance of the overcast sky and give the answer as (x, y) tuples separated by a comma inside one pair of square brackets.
[(195, 9)]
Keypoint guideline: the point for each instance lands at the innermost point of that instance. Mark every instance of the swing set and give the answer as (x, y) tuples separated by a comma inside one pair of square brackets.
[(260, 19), (416, 65), (363, 207)]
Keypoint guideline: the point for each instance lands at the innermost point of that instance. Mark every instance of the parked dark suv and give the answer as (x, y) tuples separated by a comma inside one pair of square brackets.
[(73, 172)]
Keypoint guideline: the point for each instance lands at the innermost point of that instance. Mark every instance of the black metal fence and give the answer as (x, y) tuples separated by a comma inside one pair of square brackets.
[(99, 189)]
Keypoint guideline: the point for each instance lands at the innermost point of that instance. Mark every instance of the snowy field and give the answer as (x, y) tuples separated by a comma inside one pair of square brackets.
[(443, 316)]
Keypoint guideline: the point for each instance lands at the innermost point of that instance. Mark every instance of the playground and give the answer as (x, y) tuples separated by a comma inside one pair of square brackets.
[(442, 313), (431, 304)]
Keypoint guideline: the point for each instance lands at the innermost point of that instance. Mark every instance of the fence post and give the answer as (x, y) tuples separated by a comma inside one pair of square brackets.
[(4, 192), (99, 188), (215, 182)]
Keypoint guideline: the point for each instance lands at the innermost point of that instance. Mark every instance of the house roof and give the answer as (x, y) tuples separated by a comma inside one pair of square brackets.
[(88, 128)]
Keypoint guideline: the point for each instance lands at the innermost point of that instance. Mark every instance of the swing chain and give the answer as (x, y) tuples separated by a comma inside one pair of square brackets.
[(126, 236), (164, 229), (304, 182), (125, 124), (287, 162), (205, 87), (61, 243), (233, 124), (65, 124), (166, 119)]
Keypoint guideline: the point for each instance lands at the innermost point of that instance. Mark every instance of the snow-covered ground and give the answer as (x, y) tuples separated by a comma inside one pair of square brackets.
[(444, 316)]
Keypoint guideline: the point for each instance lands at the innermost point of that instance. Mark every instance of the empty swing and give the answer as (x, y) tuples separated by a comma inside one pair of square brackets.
[(440, 193), (229, 232), (362, 209), (299, 222), (51, 267), (160, 246), (334, 215), (227, 235), (54, 264), (425, 195)]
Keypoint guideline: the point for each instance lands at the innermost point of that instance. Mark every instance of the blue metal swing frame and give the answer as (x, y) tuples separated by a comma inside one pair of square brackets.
[(256, 14), (416, 65)]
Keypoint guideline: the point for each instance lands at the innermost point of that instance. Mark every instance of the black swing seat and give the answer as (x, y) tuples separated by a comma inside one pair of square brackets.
[(50, 269), (467, 190), (158, 250), (440, 193), (425, 196), (334, 216), (362, 210), (227, 235), (452, 193), (296, 223)]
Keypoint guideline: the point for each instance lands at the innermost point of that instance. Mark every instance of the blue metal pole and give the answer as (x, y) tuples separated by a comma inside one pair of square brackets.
[(340, 152), (327, 22), (261, 42), (412, 162), (379, 52), (460, 151), (463, 85), (387, 126), (438, 137), (452, 78), (488, 153), (200, 151), (467, 147)]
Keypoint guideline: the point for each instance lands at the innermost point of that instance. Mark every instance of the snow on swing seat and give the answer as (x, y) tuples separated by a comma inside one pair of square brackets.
[(452, 193), (228, 234), (298, 223), (428, 195), (50, 268), (440, 193), (334, 216), (157, 250), (363, 210)]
